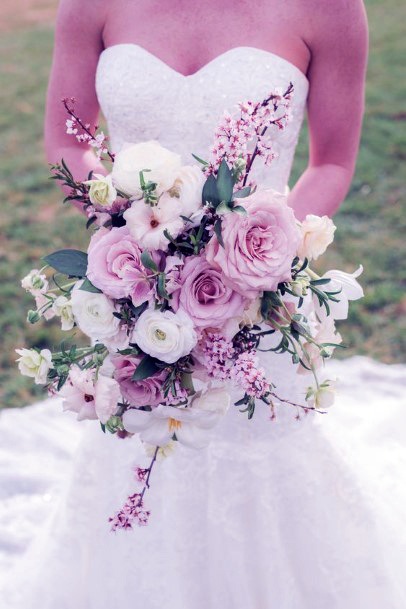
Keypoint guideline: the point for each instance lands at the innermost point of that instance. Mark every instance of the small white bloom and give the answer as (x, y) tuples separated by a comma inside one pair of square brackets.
[(165, 335), (188, 188), (300, 285), (252, 314), (323, 331), (35, 364), (322, 397), (350, 290), (162, 165), (147, 224), (317, 234), (35, 282), (190, 425), (102, 192), (62, 307), (93, 313)]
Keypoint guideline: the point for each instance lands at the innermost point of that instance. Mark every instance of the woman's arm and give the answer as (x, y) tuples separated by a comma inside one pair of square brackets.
[(78, 44), (339, 46)]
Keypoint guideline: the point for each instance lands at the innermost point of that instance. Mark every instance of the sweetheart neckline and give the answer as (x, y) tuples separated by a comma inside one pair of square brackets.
[(209, 63)]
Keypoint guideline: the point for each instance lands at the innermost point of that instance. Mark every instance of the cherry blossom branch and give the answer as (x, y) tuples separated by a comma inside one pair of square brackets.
[(97, 141)]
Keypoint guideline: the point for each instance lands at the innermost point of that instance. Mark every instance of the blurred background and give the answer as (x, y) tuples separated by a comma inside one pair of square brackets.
[(33, 221)]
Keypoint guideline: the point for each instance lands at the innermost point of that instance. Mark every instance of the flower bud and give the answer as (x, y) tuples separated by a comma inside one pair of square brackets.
[(33, 317)]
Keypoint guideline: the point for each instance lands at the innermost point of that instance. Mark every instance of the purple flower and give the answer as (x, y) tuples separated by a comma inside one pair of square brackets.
[(204, 295), (114, 265), (147, 392), (258, 247)]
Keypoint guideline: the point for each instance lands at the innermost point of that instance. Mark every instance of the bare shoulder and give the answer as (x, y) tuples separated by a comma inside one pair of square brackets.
[(335, 21), (78, 14)]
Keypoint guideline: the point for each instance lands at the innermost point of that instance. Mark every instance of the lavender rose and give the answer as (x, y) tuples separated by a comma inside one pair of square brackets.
[(114, 265), (259, 247), (204, 296), (139, 393)]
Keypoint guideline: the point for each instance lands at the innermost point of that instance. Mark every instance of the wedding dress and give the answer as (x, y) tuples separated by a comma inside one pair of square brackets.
[(284, 514)]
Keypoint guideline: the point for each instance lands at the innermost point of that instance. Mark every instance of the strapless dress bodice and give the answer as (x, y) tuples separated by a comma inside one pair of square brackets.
[(142, 98)]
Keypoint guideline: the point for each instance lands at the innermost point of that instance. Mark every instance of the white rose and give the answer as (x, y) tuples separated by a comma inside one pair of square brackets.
[(188, 188), (317, 234), (322, 397), (102, 192), (349, 289), (35, 364), (147, 224), (93, 313), (35, 282), (165, 335), (163, 166), (62, 307)]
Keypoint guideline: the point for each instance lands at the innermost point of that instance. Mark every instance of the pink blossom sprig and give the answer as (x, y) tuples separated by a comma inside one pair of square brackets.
[(219, 354), (249, 376), (133, 511), (84, 132), (234, 136)]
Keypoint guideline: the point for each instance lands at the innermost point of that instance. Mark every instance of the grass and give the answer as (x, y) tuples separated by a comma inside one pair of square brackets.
[(371, 222)]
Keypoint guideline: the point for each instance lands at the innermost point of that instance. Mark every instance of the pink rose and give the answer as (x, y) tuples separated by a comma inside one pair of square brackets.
[(147, 392), (259, 247), (204, 296), (114, 265)]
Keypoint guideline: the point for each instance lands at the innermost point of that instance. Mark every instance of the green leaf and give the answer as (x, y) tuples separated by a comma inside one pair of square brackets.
[(91, 221), (186, 382), (68, 262), (217, 230), (146, 368), (199, 160), (244, 192), (225, 182), (148, 262), (161, 286), (210, 193), (239, 209), (87, 286)]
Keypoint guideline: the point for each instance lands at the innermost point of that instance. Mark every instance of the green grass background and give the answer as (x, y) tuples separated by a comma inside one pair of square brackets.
[(371, 222)]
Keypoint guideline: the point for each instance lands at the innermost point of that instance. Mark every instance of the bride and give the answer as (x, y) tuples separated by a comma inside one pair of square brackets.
[(272, 515)]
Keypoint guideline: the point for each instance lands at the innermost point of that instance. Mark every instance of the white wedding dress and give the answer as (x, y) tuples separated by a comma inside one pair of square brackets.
[(281, 514)]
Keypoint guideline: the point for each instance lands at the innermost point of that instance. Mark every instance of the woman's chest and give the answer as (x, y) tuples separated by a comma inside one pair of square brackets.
[(187, 35)]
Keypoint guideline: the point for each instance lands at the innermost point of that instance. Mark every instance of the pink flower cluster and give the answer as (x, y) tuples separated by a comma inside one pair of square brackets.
[(248, 376), (131, 513), (84, 132), (223, 362), (234, 136)]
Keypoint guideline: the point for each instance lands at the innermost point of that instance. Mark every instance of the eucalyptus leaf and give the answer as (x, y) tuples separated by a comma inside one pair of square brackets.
[(148, 262), (146, 368), (239, 209), (87, 286), (225, 182), (244, 192), (68, 262), (210, 193), (199, 160), (217, 230)]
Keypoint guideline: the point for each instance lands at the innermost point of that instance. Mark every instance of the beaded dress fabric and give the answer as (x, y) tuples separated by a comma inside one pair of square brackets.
[(284, 514)]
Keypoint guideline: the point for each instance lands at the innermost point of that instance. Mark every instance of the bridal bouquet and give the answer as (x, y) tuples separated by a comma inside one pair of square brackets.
[(189, 269)]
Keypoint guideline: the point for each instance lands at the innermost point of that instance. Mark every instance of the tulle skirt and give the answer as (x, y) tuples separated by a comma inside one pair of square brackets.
[(285, 514)]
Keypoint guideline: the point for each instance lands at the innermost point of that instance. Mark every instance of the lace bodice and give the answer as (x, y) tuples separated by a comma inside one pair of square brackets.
[(143, 98)]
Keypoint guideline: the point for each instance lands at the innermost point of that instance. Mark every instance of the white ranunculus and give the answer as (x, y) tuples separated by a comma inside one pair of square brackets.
[(35, 282), (62, 307), (317, 234), (101, 192), (190, 425), (165, 335), (35, 364), (147, 224), (163, 166), (188, 188), (93, 313), (322, 397), (350, 290)]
